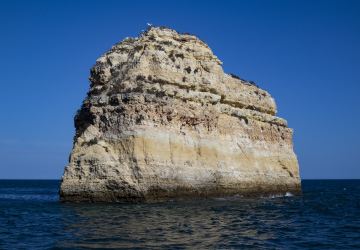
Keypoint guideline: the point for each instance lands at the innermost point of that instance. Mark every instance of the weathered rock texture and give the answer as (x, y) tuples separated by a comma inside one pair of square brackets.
[(163, 121)]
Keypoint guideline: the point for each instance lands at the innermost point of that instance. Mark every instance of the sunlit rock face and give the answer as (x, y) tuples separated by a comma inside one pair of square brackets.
[(162, 121)]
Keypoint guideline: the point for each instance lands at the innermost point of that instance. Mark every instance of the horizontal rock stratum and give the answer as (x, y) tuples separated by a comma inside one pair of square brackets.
[(162, 121)]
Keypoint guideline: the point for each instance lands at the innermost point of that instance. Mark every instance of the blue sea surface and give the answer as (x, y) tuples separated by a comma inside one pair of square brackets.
[(326, 216)]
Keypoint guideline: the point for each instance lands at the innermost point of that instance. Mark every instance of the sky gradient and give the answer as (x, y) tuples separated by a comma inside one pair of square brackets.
[(306, 54)]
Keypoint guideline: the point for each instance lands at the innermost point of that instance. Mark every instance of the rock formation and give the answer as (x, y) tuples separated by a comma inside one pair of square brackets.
[(162, 121)]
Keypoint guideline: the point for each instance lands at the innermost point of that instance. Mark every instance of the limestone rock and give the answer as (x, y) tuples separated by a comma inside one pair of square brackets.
[(163, 121)]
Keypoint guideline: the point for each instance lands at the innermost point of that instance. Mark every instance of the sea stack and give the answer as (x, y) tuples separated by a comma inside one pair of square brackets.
[(162, 121)]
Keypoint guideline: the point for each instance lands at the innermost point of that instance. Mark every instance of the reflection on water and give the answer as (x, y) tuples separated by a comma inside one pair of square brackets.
[(200, 223)]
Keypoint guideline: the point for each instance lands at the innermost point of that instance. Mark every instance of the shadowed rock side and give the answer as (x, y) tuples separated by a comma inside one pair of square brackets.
[(162, 121)]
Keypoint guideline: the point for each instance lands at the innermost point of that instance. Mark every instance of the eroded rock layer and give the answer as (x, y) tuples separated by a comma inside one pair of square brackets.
[(162, 121)]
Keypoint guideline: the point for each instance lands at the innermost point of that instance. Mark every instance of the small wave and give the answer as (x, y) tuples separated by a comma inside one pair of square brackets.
[(288, 194), (219, 198), (272, 196)]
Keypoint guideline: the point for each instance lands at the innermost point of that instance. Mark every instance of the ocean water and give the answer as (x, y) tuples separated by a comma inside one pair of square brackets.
[(326, 216)]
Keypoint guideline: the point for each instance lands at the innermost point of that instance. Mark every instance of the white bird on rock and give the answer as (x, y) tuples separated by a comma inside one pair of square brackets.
[(149, 24)]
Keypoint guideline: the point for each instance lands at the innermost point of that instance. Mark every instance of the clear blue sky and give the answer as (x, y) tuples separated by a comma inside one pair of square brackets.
[(306, 54)]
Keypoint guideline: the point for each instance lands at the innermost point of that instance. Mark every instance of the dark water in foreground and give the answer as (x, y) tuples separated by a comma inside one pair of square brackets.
[(326, 216)]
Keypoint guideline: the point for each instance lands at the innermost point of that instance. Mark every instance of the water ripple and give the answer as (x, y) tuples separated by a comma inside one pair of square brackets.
[(325, 216)]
